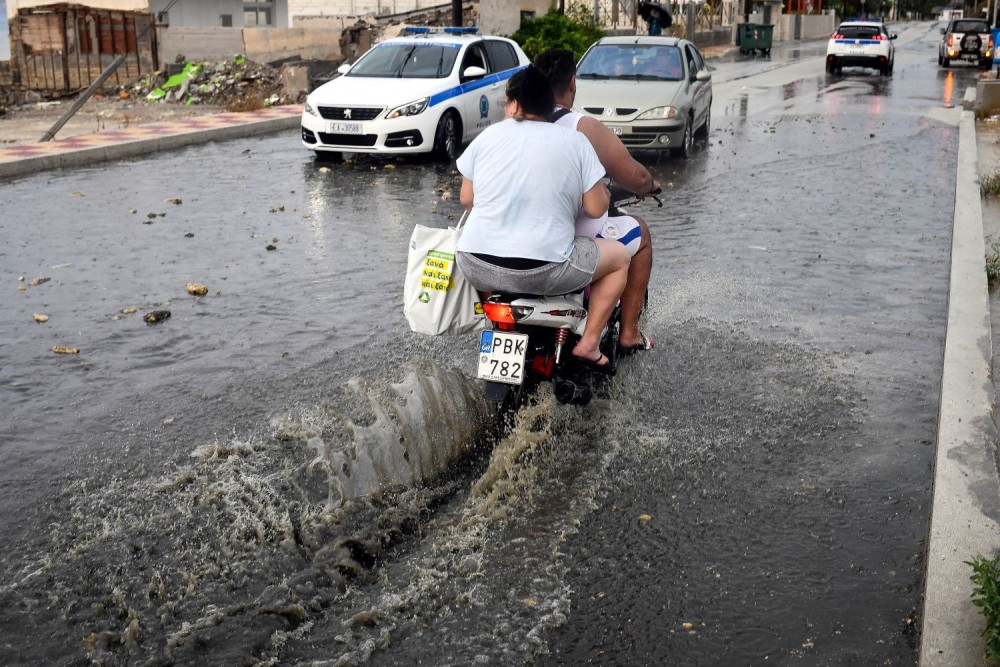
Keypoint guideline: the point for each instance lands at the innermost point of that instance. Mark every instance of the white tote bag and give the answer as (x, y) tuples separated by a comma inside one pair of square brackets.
[(436, 297)]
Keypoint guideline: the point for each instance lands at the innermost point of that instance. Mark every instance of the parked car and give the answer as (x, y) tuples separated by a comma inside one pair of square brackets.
[(966, 39), (653, 92), (861, 44), (418, 93)]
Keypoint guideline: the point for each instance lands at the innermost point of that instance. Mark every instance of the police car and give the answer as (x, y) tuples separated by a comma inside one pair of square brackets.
[(861, 44), (421, 92)]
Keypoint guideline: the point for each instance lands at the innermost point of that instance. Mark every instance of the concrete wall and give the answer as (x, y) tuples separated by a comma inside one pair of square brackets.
[(539, 7), (269, 44), (499, 17), (258, 44), (810, 26)]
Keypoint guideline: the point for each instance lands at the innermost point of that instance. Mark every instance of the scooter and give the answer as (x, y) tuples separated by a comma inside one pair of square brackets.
[(532, 338)]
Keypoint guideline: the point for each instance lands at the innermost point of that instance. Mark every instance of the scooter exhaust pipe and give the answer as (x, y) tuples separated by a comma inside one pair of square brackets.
[(572, 393)]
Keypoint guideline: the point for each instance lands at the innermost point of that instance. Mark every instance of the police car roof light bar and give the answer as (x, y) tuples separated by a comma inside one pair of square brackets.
[(450, 30)]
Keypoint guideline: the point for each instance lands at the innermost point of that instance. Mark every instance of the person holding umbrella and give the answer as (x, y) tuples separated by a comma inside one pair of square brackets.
[(656, 16)]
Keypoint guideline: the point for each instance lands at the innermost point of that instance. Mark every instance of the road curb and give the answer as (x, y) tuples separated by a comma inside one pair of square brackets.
[(966, 493)]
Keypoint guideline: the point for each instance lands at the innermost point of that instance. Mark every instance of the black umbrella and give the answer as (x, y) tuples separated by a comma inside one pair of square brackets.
[(646, 11)]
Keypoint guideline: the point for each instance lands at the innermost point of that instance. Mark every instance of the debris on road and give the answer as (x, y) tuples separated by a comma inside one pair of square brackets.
[(236, 84)]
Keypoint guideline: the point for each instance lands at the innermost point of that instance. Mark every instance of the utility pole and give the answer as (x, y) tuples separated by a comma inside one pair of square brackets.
[(456, 13)]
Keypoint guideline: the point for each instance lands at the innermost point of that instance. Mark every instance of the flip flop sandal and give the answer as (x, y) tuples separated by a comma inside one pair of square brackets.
[(646, 344), (596, 366)]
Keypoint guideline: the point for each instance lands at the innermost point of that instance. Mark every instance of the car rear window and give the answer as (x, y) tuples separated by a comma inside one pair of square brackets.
[(971, 26), (858, 31), (407, 61)]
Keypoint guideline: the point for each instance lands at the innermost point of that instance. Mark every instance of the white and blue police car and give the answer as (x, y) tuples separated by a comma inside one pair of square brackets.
[(861, 44), (424, 91)]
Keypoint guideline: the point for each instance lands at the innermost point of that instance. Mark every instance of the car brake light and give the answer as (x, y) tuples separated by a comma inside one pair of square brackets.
[(951, 39), (837, 35), (878, 38)]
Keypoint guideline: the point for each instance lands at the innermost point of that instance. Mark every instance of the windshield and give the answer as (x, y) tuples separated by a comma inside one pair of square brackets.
[(632, 61), (407, 61)]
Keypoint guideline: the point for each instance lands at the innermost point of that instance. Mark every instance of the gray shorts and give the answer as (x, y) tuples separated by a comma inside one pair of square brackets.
[(549, 279)]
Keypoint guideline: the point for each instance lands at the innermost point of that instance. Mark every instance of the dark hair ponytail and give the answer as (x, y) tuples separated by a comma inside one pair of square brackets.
[(530, 89)]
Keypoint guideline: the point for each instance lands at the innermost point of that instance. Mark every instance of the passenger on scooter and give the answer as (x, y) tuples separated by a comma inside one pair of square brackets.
[(560, 68), (524, 181)]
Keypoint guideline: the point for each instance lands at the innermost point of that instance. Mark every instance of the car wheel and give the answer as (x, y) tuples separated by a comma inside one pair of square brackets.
[(940, 60), (706, 127), (945, 62), (447, 138), (986, 64), (687, 141), (829, 67)]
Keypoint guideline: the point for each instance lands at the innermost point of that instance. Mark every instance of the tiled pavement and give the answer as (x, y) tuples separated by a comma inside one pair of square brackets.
[(20, 159)]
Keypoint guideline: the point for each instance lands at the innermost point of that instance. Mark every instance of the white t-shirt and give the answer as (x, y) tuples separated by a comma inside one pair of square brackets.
[(585, 225), (528, 182)]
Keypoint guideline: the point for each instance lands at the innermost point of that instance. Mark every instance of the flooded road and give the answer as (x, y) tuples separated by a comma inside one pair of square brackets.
[(281, 473)]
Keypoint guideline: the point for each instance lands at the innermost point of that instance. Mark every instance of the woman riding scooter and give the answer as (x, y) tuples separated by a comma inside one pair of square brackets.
[(524, 180)]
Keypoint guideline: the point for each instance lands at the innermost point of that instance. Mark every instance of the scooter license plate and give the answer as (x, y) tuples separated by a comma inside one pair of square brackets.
[(501, 356)]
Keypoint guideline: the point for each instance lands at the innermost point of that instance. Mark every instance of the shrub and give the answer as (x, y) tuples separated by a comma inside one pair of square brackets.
[(989, 184), (575, 30), (986, 596), (993, 265)]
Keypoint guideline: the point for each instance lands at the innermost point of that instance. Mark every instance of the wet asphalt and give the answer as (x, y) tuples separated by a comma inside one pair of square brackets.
[(755, 490)]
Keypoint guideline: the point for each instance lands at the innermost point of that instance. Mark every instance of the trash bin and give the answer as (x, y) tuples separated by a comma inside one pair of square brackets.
[(744, 34), (756, 37)]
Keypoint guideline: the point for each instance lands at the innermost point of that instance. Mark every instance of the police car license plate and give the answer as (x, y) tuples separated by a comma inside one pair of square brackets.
[(501, 356), (346, 128), (616, 129)]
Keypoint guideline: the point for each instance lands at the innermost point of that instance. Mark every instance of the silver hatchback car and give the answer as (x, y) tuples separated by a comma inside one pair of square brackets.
[(653, 92)]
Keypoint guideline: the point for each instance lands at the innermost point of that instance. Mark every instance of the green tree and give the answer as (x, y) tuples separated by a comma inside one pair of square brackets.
[(574, 30)]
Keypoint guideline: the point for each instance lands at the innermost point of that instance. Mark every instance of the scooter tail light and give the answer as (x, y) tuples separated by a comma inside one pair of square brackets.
[(505, 313)]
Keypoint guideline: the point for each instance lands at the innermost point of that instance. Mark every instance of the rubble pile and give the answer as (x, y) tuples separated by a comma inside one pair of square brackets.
[(236, 84)]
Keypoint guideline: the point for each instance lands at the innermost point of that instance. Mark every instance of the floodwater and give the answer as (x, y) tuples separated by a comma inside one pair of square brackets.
[(281, 473)]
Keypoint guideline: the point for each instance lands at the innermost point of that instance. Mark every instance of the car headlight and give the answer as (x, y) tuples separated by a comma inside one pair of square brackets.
[(309, 109), (659, 113), (409, 109)]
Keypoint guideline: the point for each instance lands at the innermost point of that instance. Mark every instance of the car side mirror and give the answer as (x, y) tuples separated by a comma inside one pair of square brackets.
[(474, 72), (703, 75), (343, 68), (893, 36)]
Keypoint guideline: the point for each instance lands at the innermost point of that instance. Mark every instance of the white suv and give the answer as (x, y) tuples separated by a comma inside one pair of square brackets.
[(861, 44), (413, 94)]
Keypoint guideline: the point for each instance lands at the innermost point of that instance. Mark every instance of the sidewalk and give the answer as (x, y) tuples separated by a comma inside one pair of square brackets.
[(966, 492), (22, 159)]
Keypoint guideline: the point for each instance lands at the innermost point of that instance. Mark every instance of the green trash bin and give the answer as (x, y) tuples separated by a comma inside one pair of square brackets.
[(744, 36), (758, 38)]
